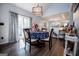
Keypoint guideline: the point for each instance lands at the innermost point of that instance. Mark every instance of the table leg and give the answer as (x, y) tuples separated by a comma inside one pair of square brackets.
[(75, 48)]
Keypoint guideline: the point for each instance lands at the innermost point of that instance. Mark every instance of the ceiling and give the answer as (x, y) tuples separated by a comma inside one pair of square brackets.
[(58, 17), (28, 6), (48, 8)]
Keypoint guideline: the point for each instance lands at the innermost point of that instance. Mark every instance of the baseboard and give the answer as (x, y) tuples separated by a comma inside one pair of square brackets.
[(12, 42), (6, 44), (3, 43)]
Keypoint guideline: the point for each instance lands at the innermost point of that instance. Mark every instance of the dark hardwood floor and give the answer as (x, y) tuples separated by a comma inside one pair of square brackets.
[(14, 50)]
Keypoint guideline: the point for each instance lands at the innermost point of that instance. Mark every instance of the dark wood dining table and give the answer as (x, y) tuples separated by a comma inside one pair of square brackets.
[(39, 36)]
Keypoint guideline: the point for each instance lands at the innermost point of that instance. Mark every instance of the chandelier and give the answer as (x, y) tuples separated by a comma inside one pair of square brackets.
[(37, 10)]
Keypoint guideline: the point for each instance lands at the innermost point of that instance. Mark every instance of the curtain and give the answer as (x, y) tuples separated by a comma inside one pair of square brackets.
[(13, 27)]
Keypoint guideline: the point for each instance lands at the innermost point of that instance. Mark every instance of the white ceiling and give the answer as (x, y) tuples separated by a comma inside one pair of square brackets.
[(48, 8), (28, 6)]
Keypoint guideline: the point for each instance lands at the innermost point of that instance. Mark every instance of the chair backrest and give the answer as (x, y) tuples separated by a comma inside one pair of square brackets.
[(62, 33), (26, 34), (44, 29), (51, 34)]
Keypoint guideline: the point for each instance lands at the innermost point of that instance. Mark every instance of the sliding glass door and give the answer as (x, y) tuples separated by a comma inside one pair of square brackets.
[(27, 22), (20, 26), (23, 22)]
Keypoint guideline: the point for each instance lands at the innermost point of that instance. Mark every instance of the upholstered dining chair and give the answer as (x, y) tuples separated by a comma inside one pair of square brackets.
[(44, 29), (54, 34), (49, 40), (62, 35), (28, 38)]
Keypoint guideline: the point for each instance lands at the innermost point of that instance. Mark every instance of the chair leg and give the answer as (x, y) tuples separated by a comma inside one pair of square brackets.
[(25, 45), (30, 48), (49, 45)]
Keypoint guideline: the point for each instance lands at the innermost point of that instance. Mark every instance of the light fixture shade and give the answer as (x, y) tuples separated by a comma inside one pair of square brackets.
[(37, 10)]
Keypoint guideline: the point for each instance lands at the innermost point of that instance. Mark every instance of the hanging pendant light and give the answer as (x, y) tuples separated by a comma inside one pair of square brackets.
[(37, 10)]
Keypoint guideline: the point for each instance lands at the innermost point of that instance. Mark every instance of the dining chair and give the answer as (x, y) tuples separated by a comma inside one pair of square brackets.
[(49, 40), (62, 35), (44, 29), (28, 38), (54, 34)]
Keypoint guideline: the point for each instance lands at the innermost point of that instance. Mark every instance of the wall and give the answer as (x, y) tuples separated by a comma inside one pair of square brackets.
[(5, 17), (40, 23), (76, 19)]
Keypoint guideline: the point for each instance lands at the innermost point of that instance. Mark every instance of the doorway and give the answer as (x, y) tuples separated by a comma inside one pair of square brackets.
[(23, 22)]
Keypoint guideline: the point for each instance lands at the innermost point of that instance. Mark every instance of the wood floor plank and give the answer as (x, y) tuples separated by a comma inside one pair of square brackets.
[(56, 50)]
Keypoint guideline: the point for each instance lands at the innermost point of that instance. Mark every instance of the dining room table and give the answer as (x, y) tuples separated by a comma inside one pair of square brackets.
[(39, 36)]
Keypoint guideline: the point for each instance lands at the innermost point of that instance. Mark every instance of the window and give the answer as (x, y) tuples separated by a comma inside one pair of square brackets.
[(23, 22), (27, 22)]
